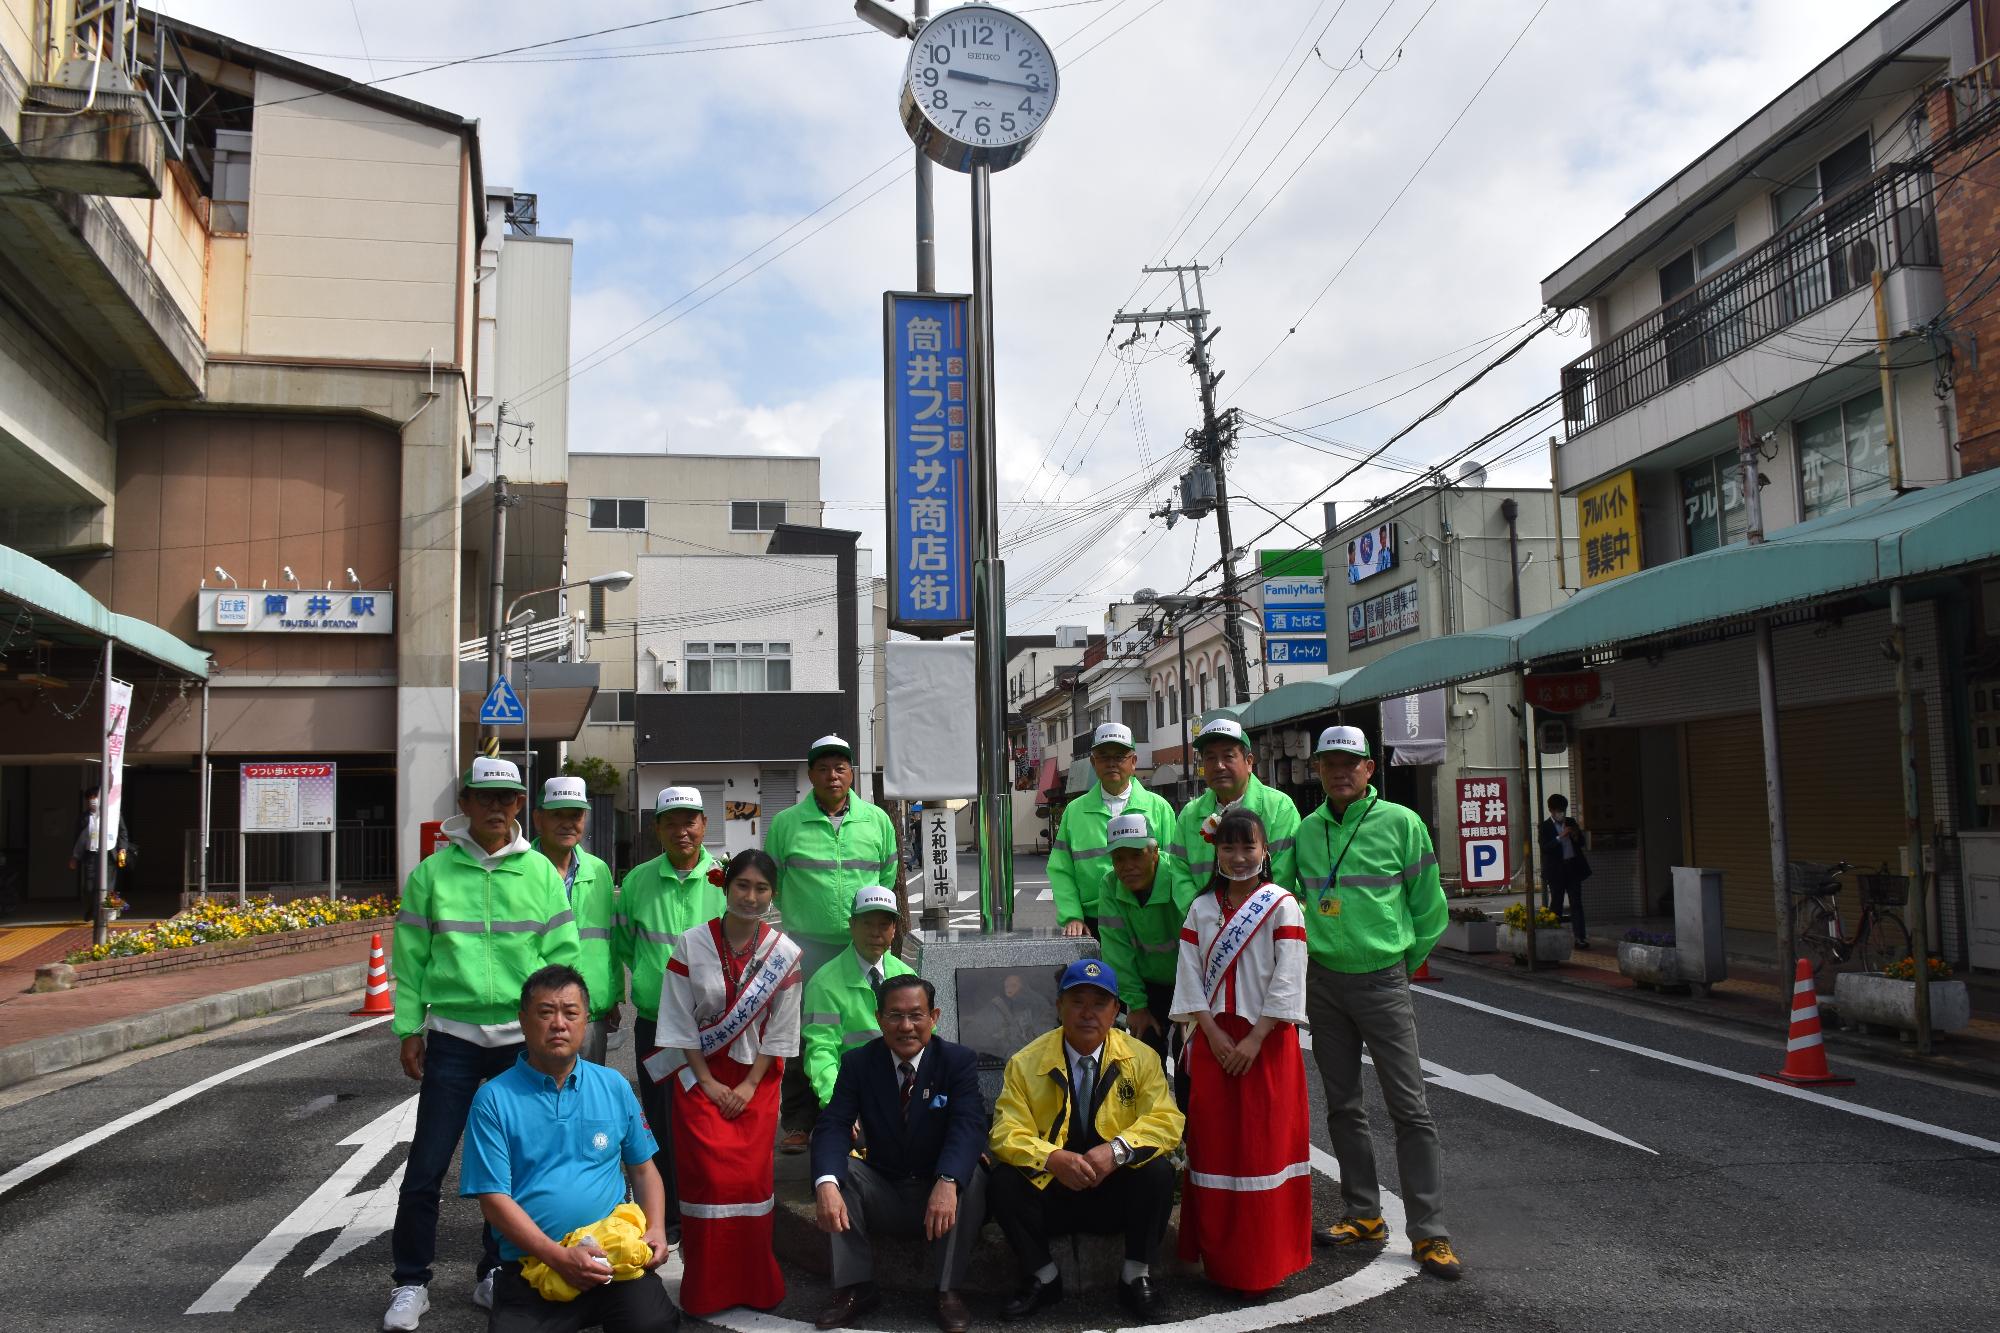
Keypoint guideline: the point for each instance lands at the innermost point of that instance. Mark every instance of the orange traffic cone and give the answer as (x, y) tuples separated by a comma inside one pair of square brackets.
[(1805, 1048), (1424, 973), (375, 995)]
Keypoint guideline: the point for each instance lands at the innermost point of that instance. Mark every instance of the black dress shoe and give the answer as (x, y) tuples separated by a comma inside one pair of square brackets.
[(849, 1304), (1139, 1299), (1032, 1295)]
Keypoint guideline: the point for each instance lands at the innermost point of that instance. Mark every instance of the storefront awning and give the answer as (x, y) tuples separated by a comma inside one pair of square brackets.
[(1081, 775), (1165, 776), (1301, 698), (37, 602)]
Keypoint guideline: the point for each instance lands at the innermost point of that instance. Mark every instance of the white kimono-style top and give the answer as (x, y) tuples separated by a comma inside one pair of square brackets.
[(694, 994), (1267, 977)]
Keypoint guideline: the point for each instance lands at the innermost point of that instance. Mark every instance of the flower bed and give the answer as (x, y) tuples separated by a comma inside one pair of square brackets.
[(218, 922)]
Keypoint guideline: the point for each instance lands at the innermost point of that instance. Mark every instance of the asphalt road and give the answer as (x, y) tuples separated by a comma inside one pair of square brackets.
[(1617, 1171)]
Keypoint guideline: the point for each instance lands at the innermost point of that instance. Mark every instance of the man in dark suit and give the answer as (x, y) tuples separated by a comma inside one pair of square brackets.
[(923, 1119), (1564, 866)]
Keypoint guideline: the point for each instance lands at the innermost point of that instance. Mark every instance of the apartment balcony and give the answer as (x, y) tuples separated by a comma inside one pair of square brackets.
[(1702, 357)]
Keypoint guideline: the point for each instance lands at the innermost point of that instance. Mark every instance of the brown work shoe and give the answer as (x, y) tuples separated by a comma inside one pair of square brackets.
[(794, 1142), (849, 1304), (952, 1316)]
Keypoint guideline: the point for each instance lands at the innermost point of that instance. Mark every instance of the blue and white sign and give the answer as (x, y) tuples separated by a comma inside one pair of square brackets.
[(1485, 862), (927, 412), (1295, 593), (502, 707), (296, 611), (1298, 652), (1295, 622)]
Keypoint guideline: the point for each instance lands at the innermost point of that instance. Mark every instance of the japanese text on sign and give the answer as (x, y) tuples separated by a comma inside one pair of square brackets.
[(1392, 613), (927, 408), (1607, 534), (1483, 840), (940, 858)]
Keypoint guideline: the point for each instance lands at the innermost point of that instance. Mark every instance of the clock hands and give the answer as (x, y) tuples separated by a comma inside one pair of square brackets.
[(970, 77)]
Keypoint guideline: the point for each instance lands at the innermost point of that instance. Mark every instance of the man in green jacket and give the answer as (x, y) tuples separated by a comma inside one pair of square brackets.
[(1079, 859), (839, 1005), (828, 847), (559, 829), (1228, 767), (661, 900), (1141, 937), (1374, 907), (478, 917)]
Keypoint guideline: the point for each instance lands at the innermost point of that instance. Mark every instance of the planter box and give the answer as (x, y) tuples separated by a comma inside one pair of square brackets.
[(1471, 936), (1875, 1000), (1650, 964), (1552, 945), (64, 976)]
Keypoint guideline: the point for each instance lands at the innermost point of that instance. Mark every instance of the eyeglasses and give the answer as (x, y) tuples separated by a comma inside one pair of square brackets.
[(492, 799), (903, 1018)]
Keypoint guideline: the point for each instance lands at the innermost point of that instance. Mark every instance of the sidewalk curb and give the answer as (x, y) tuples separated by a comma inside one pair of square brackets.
[(1882, 1049), (67, 1050)]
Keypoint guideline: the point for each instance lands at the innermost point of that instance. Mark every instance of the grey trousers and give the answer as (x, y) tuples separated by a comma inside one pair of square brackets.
[(798, 1108), (594, 1038), (896, 1207), (1350, 1010)]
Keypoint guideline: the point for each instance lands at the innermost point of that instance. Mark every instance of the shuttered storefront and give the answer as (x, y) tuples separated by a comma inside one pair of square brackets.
[(1843, 797)]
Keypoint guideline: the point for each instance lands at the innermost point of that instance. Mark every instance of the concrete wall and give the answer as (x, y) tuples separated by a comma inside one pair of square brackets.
[(757, 598), (359, 245), (17, 35)]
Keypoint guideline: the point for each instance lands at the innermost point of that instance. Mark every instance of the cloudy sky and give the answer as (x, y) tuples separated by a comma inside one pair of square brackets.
[(734, 180)]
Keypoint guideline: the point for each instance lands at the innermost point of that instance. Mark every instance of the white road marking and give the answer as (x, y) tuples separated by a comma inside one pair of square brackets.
[(1046, 896), (1390, 1269), (1748, 1080), (362, 1216), (28, 1170)]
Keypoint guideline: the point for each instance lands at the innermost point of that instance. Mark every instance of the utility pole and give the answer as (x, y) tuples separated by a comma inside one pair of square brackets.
[(926, 217), (1211, 442), (489, 737)]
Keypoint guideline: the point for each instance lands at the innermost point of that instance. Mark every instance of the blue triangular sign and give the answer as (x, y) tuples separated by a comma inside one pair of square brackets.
[(502, 706)]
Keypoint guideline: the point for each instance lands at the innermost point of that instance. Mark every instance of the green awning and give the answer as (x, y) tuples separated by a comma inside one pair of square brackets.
[(59, 609), (1301, 698), (1445, 660)]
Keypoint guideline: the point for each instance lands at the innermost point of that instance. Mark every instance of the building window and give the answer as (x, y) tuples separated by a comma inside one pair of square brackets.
[(755, 515), (1159, 708), (229, 209), (1201, 690), (1712, 510), (1844, 455), (613, 708), (729, 666), (1222, 695), (1174, 701), (1133, 713), (618, 515)]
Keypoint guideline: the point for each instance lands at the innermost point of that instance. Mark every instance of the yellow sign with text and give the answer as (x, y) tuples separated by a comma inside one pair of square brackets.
[(1608, 529)]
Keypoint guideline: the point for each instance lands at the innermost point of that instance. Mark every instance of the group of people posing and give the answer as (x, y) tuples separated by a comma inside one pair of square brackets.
[(1223, 929)]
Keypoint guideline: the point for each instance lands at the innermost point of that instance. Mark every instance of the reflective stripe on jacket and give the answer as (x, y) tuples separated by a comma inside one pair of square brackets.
[(1079, 859), (839, 1014), (1194, 859), (820, 869), (467, 937), (1031, 1118), (1389, 905), (658, 904), (594, 899)]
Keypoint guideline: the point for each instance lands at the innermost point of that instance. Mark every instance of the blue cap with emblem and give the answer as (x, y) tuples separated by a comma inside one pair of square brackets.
[(1090, 972)]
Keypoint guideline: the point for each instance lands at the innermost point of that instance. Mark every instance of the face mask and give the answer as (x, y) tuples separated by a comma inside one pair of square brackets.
[(743, 912)]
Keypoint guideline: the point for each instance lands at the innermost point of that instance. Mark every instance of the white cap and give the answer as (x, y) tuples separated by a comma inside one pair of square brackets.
[(875, 898), (490, 774), (678, 798), (1228, 728), (1112, 733), (1129, 831), (1346, 740), (829, 745), (565, 794)]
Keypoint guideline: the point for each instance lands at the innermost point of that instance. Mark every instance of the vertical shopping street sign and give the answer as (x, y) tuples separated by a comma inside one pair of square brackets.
[(940, 858), (926, 383), (1483, 860), (1294, 605)]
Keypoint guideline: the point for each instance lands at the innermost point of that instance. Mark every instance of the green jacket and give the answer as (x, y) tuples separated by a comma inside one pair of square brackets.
[(1389, 906), (839, 1014), (595, 902), (658, 904), (1194, 859), (1141, 941), (1079, 860), (472, 929), (820, 871)]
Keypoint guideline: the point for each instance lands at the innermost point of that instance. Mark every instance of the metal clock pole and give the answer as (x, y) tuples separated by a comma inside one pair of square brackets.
[(995, 815)]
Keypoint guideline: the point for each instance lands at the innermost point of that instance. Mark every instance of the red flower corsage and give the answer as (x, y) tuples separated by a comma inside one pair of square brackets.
[(717, 877), (1210, 825)]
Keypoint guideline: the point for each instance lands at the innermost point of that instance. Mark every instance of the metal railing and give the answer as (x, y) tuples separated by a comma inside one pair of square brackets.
[(536, 639), (278, 863), (1888, 221)]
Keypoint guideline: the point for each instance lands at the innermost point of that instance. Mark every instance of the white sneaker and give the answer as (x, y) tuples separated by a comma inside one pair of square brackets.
[(406, 1306), (482, 1292)]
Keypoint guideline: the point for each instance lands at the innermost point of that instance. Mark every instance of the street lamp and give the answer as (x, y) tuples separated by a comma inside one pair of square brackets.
[(612, 582), (884, 19), (616, 579)]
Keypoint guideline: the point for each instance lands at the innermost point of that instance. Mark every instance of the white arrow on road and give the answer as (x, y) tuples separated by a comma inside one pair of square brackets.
[(361, 1217), (1493, 1088)]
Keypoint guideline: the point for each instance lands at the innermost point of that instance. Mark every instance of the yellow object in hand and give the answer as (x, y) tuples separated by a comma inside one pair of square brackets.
[(622, 1237)]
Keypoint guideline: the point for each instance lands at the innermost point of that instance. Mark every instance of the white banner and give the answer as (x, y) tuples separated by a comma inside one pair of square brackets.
[(118, 707), (931, 751), (940, 852)]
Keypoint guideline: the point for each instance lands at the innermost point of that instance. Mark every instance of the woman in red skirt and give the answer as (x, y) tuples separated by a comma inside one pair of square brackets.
[(1241, 982), (729, 1019)]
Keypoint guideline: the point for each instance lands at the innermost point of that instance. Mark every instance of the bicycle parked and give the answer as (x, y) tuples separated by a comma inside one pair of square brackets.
[(1879, 936)]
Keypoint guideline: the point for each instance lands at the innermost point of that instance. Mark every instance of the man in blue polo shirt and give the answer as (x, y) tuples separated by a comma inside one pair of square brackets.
[(543, 1155)]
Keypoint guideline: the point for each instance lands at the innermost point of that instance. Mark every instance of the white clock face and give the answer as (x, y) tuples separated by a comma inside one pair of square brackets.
[(982, 77)]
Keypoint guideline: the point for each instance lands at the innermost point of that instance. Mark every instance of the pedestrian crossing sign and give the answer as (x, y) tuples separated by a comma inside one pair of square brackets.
[(502, 707)]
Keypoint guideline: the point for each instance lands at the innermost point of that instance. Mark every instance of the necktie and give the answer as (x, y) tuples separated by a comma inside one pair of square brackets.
[(909, 1073), (875, 980), (1086, 1085)]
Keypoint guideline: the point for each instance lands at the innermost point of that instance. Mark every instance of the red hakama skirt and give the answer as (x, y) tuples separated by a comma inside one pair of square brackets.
[(1246, 1203), (724, 1175)]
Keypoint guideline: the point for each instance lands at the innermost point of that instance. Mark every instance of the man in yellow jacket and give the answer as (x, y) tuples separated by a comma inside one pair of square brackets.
[(1081, 1135)]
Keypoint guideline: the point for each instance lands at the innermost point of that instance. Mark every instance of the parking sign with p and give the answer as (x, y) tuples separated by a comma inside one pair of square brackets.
[(1484, 860)]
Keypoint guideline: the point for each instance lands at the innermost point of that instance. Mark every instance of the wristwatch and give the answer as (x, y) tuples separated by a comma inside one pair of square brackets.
[(1121, 1151), (948, 1180)]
